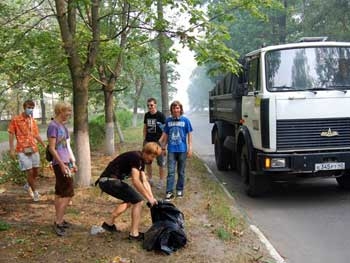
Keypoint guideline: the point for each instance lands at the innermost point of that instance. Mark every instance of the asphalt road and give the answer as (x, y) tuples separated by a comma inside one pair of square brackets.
[(306, 222)]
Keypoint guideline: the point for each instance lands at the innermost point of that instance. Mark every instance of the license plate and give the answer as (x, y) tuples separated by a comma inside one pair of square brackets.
[(329, 166)]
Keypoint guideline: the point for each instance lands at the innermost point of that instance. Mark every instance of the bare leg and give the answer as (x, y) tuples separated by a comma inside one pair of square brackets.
[(161, 173), (145, 183), (118, 210), (61, 204), (135, 218), (149, 171), (31, 175)]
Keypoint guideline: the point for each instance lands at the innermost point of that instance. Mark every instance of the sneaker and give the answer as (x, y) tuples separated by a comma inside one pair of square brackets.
[(179, 194), (59, 229), (140, 237), (28, 189), (36, 196), (66, 224), (160, 185), (169, 196), (110, 228)]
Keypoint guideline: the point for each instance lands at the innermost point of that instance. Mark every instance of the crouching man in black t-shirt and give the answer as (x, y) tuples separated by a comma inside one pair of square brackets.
[(129, 164)]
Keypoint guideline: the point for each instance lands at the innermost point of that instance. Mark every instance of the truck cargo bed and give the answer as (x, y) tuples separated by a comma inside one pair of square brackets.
[(225, 107)]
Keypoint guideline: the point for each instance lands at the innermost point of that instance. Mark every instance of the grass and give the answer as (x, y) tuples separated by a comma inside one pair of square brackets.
[(219, 209), (4, 136)]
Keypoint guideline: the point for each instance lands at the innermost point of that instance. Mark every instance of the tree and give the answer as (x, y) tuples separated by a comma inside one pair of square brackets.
[(80, 66), (326, 18), (163, 50)]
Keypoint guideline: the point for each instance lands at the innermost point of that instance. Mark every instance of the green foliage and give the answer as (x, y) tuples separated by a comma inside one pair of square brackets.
[(97, 131), (4, 226), (124, 118), (223, 234), (97, 127), (10, 170)]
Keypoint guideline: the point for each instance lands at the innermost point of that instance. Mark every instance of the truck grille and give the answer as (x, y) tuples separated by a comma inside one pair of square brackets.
[(306, 134)]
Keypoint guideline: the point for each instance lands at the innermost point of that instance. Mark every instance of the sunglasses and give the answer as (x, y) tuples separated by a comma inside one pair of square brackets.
[(150, 105)]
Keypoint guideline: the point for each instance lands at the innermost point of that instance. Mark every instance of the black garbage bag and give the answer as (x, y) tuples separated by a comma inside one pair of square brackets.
[(167, 232)]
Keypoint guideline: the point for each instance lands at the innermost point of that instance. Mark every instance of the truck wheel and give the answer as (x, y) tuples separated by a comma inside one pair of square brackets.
[(255, 185), (344, 181), (221, 154)]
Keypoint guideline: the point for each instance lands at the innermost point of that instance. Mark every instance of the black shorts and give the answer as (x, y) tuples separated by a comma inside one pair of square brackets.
[(120, 190)]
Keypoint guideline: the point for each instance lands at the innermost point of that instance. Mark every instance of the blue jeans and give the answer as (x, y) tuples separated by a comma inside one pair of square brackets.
[(180, 158)]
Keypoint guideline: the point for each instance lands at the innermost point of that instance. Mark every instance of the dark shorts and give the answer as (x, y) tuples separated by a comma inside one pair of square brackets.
[(64, 185), (161, 161), (120, 190)]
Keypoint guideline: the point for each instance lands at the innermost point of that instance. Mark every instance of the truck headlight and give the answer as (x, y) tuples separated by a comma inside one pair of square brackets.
[(275, 162)]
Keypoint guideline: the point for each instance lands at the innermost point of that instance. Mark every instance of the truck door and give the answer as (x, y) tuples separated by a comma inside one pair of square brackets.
[(251, 102)]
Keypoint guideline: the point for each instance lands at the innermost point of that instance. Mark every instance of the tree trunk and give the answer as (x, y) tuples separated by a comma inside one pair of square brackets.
[(109, 124), (282, 24), (109, 89), (138, 90), (43, 108), (162, 63), (134, 115), (81, 132), (119, 130), (80, 74)]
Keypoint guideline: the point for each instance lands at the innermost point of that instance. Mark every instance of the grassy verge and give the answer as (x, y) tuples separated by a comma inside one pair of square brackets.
[(3, 136), (216, 231), (219, 207)]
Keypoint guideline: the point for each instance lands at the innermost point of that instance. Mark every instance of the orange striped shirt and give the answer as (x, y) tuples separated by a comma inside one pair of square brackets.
[(26, 130)]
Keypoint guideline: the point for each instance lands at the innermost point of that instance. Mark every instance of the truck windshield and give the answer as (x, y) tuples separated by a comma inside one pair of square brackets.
[(311, 68)]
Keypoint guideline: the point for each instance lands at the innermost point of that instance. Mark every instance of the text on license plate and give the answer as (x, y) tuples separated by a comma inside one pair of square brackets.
[(329, 166)]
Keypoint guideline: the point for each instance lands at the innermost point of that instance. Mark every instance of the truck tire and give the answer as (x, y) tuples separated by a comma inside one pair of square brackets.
[(221, 154), (344, 181), (255, 185)]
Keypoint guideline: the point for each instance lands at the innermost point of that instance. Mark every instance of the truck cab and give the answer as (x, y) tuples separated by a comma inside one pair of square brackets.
[(286, 116)]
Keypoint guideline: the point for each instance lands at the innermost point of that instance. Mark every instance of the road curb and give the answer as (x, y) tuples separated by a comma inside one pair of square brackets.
[(272, 251)]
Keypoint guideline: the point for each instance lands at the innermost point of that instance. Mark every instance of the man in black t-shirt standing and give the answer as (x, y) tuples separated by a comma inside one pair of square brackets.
[(153, 127)]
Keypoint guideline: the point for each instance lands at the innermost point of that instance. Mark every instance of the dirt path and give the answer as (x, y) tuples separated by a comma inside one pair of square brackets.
[(30, 237)]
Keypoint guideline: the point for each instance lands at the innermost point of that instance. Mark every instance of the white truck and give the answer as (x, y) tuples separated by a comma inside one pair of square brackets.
[(286, 116)]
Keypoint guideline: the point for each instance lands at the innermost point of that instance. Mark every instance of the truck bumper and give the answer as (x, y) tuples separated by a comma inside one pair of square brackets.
[(305, 163)]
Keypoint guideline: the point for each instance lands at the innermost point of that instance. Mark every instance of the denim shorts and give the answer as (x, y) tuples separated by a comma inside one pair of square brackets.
[(28, 161), (161, 160), (120, 190)]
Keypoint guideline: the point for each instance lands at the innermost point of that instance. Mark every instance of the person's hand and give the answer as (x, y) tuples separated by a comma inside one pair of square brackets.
[(189, 153), (164, 152), (152, 202), (68, 172), (75, 168)]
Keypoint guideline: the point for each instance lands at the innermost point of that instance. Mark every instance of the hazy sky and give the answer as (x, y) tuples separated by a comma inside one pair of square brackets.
[(185, 67)]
